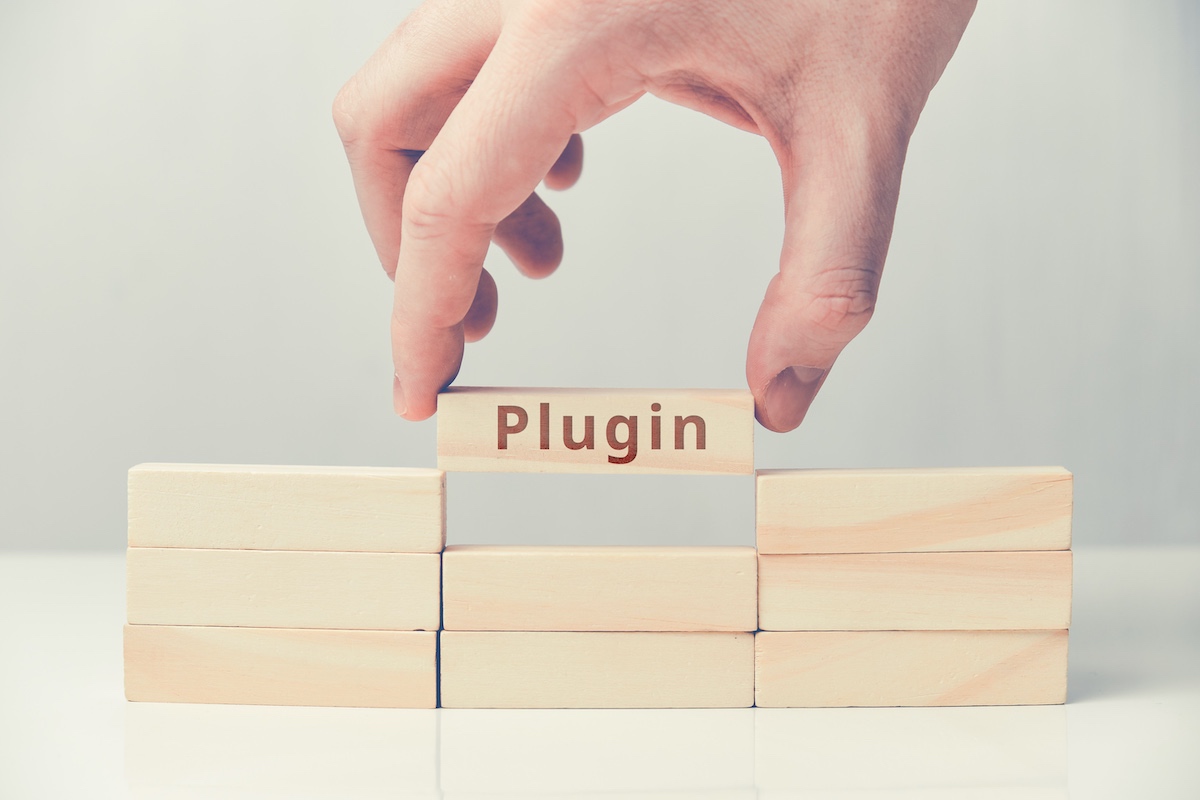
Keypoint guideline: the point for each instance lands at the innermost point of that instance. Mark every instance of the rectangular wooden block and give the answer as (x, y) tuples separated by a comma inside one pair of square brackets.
[(913, 510), (242, 507), (283, 589), (273, 666), (522, 669), (692, 431), (910, 668), (921, 591), (504, 588)]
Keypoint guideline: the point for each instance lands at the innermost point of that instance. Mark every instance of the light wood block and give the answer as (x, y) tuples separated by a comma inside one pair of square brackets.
[(520, 669), (913, 510), (283, 589), (921, 591), (910, 668), (273, 666), (241, 507), (503, 588), (700, 431)]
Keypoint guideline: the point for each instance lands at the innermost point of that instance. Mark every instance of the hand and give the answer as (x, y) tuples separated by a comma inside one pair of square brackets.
[(452, 124)]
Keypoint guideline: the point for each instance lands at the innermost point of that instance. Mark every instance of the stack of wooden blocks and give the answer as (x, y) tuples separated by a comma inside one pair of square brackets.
[(329, 586), (284, 585), (913, 587)]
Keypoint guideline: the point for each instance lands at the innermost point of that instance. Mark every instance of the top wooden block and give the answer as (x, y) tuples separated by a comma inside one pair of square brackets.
[(239, 507), (692, 431), (913, 510)]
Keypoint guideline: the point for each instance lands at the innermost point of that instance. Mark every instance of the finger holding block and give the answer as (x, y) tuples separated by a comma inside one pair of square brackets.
[(700, 431)]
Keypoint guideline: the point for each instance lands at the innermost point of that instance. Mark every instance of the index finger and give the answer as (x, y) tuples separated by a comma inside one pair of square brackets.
[(497, 145)]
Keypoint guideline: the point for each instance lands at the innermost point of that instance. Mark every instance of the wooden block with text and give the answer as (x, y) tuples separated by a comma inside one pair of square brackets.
[(272, 666), (504, 588), (913, 510), (700, 431), (524, 669), (283, 589), (910, 668), (921, 591), (228, 506)]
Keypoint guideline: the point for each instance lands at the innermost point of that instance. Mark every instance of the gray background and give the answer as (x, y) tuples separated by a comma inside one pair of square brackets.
[(185, 276)]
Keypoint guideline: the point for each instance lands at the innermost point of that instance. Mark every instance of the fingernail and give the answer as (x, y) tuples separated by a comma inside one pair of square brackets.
[(788, 396), (398, 401)]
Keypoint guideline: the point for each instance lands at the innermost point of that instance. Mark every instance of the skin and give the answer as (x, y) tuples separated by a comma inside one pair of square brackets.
[(471, 104)]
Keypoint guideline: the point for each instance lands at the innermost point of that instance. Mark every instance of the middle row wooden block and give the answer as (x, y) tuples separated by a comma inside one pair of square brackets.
[(605, 588)]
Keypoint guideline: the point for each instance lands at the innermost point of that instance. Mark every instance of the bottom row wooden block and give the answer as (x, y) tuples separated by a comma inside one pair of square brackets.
[(509, 669), (910, 668), (541, 669), (281, 666)]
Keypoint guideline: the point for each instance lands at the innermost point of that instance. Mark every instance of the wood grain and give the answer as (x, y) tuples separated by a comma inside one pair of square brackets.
[(913, 510), (505, 430), (521, 669), (922, 591), (910, 668), (226, 506), (271, 666), (283, 589), (501, 588)]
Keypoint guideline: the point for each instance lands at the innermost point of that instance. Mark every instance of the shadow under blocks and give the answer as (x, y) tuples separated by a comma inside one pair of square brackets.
[(333, 586)]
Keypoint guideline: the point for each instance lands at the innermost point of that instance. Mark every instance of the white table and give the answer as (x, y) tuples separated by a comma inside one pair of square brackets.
[(1130, 730)]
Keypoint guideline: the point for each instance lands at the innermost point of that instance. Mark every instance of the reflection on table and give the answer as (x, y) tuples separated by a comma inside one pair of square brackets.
[(181, 751)]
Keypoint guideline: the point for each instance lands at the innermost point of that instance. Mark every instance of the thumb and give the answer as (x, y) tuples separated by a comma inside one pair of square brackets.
[(840, 202)]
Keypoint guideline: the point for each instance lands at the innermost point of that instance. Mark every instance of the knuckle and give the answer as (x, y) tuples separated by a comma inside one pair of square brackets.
[(346, 114), (579, 17), (843, 301), (428, 199)]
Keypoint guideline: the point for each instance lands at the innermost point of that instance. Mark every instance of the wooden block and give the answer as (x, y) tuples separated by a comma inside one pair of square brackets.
[(913, 510), (277, 666), (910, 668), (504, 588), (520, 669), (921, 591), (283, 589), (700, 431), (239, 507)]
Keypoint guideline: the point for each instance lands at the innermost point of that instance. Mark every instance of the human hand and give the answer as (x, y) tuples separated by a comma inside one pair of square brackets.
[(490, 96)]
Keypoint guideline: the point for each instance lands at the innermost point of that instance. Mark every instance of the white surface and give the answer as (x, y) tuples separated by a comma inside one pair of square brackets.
[(184, 275), (1131, 729)]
